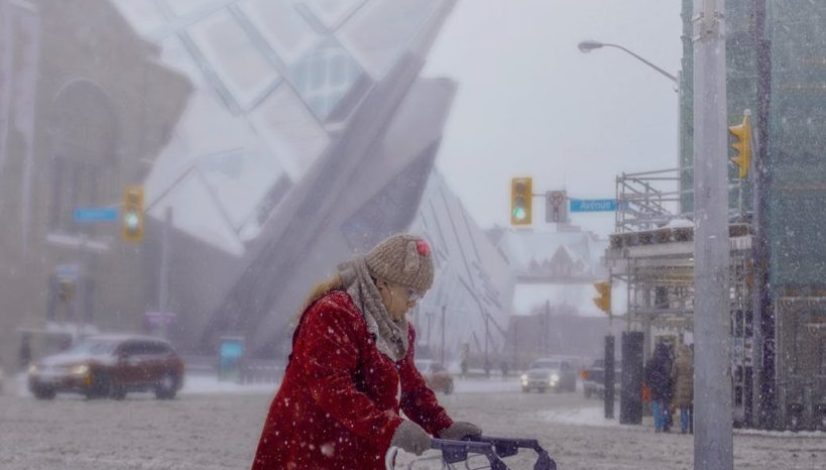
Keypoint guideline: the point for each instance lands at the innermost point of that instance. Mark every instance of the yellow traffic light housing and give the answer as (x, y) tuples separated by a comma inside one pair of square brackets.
[(521, 199), (603, 301), (742, 144), (132, 217)]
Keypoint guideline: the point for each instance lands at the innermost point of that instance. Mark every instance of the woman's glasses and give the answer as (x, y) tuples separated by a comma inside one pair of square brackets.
[(413, 295)]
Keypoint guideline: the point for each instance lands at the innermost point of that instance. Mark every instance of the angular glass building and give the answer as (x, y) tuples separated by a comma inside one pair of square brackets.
[(309, 136)]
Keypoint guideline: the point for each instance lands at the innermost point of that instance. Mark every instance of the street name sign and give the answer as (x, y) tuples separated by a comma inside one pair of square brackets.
[(96, 214), (593, 205)]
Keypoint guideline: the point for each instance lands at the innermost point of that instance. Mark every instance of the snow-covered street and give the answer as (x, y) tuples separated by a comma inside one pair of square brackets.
[(216, 426)]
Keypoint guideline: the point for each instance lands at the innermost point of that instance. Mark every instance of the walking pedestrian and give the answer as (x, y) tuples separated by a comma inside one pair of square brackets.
[(682, 375), (24, 355), (658, 379), (351, 371)]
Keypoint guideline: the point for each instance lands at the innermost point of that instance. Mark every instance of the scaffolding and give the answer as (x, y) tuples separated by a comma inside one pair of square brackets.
[(652, 252), (646, 200)]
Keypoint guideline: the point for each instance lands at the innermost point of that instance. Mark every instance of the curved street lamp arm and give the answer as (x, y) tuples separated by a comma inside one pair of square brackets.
[(641, 59)]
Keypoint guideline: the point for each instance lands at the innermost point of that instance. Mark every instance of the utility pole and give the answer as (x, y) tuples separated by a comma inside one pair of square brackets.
[(547, 330), (163, 278), (444, 309), (515, 344), (487, 335), (712, 384)]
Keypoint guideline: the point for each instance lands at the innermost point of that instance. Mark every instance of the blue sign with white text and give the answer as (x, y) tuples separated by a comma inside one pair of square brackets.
[(593, 205), (96, 214)]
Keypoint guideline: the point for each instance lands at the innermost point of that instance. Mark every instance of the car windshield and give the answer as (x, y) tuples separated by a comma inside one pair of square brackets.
[(94, 347), (545, 365)]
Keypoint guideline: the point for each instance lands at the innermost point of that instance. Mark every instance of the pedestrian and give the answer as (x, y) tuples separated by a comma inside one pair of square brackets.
[(351, 371), (669, 414), (682, 375), (658, 379), (465, 356), (24, 355)]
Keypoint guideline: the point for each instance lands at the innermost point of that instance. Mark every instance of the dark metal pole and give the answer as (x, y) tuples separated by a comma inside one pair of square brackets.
[(609, 377)]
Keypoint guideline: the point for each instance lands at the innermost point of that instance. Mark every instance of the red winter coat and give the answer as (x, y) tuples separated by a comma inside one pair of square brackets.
[(338, 405)]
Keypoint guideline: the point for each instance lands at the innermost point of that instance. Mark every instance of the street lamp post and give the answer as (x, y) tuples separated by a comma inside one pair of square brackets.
[(589, 45), (585, 47)]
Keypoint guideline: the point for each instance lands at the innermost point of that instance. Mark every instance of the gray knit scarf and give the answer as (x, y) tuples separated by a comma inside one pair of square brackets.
[(391, 335)]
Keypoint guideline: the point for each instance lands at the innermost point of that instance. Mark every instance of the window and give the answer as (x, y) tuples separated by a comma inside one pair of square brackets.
[(324, 76), (281, 25), (231, 53), (83, 160)]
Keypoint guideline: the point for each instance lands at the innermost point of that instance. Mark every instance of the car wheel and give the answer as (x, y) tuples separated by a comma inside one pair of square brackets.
[(525, 390), (166, 387), (101, 387), (449, 388), (44, 393), (587, 392), (117, 391)]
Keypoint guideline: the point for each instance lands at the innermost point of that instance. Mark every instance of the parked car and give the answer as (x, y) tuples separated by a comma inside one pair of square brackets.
[(549, 374), (593, 379), (110, 366), (436, 376)]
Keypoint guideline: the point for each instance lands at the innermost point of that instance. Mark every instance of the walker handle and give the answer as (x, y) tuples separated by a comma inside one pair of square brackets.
[(506, 447), (457, 451)]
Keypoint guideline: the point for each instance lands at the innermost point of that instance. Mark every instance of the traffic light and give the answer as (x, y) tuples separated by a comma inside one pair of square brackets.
[(742, 144), (521, 198), (132, 214), (603, 302)]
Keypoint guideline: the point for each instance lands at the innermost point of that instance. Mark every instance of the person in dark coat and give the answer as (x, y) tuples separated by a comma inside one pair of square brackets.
[(658, 379), (351, 371), (25, 353)]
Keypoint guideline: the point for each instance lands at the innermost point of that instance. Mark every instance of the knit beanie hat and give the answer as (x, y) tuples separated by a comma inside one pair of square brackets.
[(402, 259)]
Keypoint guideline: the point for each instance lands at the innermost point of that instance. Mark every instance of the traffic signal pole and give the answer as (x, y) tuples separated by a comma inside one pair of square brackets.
[(712, 378)]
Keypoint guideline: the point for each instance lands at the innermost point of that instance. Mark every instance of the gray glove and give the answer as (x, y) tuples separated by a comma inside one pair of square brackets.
[(460, 430), (410, 437)]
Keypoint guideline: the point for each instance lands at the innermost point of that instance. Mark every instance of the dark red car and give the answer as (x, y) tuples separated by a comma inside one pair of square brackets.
[(110, 366)]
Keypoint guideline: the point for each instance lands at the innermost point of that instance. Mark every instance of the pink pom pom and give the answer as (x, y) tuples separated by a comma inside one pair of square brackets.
[(422, 247)]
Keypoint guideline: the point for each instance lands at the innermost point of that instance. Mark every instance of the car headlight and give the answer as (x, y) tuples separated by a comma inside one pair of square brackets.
[(32, 369), (524, 377), (81, 369), (554, 379)]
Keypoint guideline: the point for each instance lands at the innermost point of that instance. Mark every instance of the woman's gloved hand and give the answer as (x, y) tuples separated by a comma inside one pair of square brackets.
[(410, 437), (460, 430)]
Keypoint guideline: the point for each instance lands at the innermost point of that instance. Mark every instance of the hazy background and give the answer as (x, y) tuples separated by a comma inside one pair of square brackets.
[(531, 104)]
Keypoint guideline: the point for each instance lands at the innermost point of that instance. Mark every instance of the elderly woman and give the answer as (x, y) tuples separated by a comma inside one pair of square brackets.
[(351, 370)]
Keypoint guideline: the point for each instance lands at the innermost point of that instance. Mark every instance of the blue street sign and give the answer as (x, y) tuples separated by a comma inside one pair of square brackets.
[(96, 214), (593, 205)]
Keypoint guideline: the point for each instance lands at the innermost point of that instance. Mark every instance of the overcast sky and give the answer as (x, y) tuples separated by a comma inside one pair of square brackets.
[(530, 104)]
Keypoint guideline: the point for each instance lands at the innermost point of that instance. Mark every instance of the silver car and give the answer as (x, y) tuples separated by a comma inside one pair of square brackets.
[(549, 374)]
